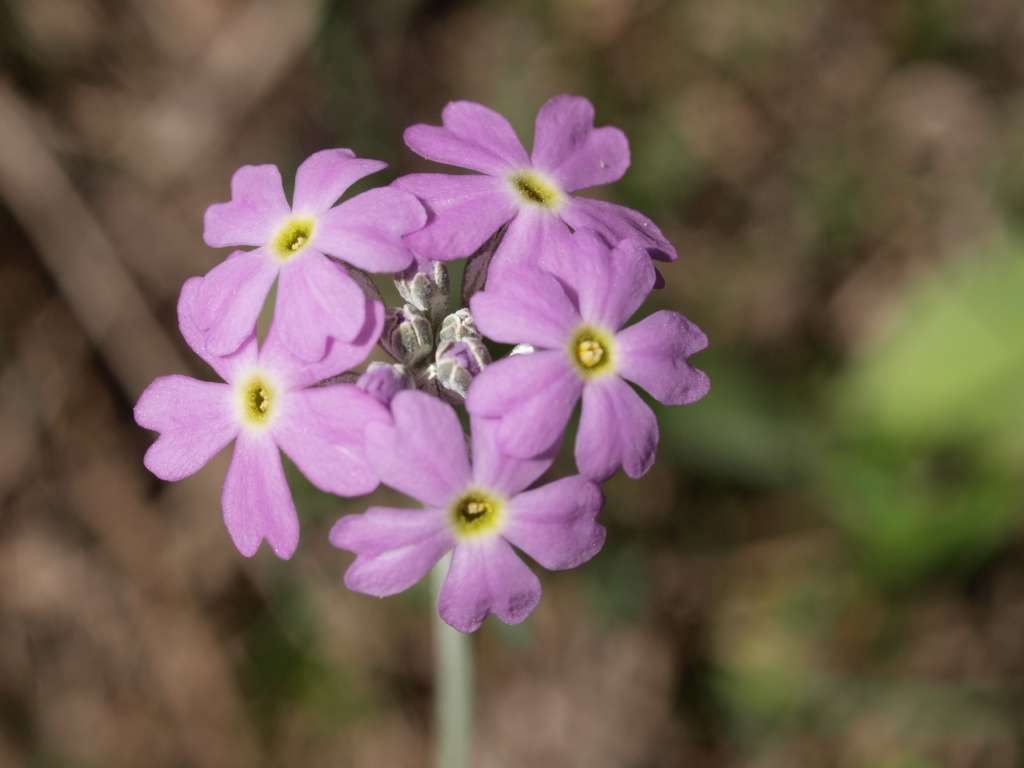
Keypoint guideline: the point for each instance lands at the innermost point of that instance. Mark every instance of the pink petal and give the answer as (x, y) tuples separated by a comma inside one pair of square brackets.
[(367, 230), (487, 577), (461, 217), (556, 524), (395, 548), (441, 191), (514, 380), (195, 338), (616, 428), (472, 136), (562, 125), (317, 301), (256, 210), (195, 422), (615, 223), (424, 454), (321, 430), (486, 127), (533, 395), (256, 501), (638, 430), (567, 145), (527, 307), (341, 356), (533, 232), (230, 298), (654, 353), (492, 468), (608, 285), (601, 159), (598, 450), (324, 176)]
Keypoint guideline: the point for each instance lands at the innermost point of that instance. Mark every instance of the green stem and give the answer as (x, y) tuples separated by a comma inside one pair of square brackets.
[(453, 686)]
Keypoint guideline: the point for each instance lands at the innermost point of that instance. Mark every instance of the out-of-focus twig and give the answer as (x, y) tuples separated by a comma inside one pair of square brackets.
[(78, 253)]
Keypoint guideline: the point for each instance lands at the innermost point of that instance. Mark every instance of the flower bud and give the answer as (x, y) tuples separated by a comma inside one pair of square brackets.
[(407, 335), (427, 290), (383, 381), (457, 326), (456, 364)]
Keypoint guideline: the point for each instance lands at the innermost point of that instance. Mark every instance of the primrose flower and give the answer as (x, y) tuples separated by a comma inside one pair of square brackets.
[(478, 512), (572, 318), (532, 194), (268, 403), (316, 299)]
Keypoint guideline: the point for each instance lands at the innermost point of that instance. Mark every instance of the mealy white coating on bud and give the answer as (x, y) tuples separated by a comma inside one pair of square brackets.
[(461, 354), (407, 335), (427, 291), (457, 326), (452, 379)]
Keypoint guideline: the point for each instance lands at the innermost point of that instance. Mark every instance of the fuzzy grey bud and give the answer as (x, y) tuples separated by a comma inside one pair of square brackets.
[(427, 291), (407, 335), (457, 326), (457, 363)]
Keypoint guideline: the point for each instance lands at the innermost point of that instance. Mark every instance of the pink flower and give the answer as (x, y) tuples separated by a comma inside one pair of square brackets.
[(268, 403), (316, 299), (478, 512), (573, 317), (532, 194)]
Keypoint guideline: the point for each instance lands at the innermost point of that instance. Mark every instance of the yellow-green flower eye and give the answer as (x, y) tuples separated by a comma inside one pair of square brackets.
[(535, 189), (293, 237), (257, 401), (476, 513), (591, 350), (590, 353)]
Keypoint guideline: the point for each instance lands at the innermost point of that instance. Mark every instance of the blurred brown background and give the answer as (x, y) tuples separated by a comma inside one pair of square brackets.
[(823, 569)]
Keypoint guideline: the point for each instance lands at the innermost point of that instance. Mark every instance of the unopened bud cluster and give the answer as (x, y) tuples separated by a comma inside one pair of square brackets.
[(435, 351)]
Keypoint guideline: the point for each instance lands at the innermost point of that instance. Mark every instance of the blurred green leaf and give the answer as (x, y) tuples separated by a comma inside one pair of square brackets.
[(951, 367), (916, 515)]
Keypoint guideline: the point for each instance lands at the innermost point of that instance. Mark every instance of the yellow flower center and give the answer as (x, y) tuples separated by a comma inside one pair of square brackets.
[(536, 189), (257, 398), (476, 513), (591, 351), (293, 237)]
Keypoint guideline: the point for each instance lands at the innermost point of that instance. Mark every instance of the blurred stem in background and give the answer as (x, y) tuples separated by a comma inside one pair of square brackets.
[(453, 685)]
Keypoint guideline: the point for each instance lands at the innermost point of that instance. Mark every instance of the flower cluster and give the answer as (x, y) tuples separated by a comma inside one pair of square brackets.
[(555, 274)]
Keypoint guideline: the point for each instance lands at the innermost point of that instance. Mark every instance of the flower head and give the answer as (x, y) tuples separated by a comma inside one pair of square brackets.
[(573, 317), (533, 194), (316, 300), (269, 402), (477, 511)]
